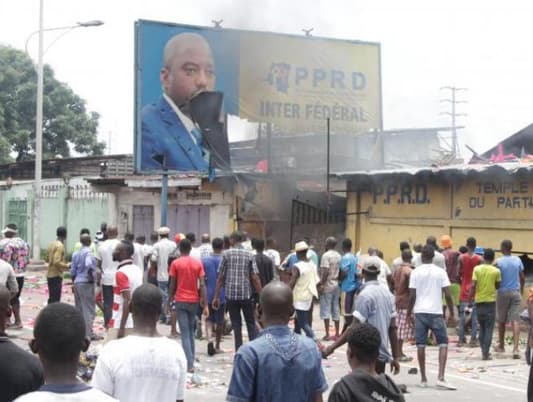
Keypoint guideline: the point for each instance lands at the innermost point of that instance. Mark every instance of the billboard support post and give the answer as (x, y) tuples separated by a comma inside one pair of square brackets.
[(269, 147), (327, 167), (162, 160), (164, 197)]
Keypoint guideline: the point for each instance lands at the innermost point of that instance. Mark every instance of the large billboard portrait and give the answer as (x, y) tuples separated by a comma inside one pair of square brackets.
[(201, 91)]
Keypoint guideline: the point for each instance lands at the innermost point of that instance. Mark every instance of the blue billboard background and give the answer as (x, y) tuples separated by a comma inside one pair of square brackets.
[(151, 38)]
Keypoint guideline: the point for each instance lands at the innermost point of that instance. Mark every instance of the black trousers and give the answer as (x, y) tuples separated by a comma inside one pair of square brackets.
[(15, 302), (54, 289), (107, 292), (234, 308)]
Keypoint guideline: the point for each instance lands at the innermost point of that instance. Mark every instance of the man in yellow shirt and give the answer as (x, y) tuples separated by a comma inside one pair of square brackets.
[(486, 280), (56, 265)]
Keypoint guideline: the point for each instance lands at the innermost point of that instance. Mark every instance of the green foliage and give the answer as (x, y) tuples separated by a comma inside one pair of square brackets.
[(66, 123)]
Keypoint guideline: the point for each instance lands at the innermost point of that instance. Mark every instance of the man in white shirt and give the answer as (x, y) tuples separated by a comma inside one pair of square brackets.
[(329, 289), (128, 278), (137, 258), (159, 265), (205, 248), (143, 366), (438, 259), (272, 252), (398, 261), (426, 284), (385, 273), (108, 269), (147, 252), (59, 337), (195, 251)]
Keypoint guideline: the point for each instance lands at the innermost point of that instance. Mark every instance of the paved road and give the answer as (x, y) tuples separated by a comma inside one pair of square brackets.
[(498, 380)]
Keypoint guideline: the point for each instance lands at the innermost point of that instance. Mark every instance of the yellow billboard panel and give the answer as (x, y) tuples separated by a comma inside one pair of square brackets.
[(296, 83)]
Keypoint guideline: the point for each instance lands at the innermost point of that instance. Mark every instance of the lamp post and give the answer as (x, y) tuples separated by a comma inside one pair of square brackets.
[(36, 246)]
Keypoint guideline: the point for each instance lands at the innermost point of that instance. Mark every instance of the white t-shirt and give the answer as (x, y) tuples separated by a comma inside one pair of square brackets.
[(438, 260), (139, 368), (147, 249), (80, 393), (331, 261), (205, 250), (109, 267), (396, 264), (384, 271), (138, 255), (196, 253), (274, 256), (428, 280), (162, 249)]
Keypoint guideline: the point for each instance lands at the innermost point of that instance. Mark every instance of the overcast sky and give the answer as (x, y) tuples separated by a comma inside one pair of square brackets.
[(484, 46)]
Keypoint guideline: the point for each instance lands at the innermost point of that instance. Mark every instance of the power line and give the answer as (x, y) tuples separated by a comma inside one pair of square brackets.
[(453, 101)]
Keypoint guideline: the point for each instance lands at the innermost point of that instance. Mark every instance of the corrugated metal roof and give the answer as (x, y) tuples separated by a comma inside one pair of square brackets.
[(461, 169)]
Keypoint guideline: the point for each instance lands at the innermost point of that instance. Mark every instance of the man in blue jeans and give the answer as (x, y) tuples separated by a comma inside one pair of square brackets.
[(215, 320), (374, 305), (185, 274), (485, 281), (238, 272), (426, 284), (289, 365)]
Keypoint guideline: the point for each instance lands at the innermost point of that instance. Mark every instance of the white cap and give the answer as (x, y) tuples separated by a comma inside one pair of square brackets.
[(301, 246)]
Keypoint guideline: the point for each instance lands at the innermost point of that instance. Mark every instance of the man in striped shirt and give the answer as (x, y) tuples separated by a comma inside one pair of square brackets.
[(127, 279), (237, 273)]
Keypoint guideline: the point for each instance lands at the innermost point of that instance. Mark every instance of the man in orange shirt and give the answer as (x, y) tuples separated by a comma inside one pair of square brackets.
[(185, 274)]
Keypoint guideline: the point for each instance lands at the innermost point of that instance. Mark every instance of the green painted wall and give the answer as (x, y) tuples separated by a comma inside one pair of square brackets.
[(76, 208)]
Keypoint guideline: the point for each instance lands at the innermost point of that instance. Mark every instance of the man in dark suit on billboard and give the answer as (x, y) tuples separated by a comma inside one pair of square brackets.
[(170, 137)]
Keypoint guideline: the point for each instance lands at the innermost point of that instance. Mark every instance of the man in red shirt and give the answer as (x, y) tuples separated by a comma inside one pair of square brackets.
[(467, 262), (185, 274), (451, 258)]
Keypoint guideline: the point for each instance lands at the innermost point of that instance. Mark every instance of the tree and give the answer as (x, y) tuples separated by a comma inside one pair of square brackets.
[(66, 123)]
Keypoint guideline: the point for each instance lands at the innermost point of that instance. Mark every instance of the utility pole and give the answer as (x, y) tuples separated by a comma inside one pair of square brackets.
[(453, 101)]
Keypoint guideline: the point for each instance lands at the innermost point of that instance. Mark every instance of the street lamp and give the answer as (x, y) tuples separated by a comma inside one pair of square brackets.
[(39, 122)]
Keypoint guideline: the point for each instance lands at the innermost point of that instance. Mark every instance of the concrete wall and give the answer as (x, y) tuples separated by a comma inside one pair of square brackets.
[(75, 207), (220, 205), (488, 207)]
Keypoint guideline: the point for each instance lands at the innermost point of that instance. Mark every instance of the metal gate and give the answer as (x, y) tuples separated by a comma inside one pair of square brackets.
[(17, 213), (188, 218), (143, 220)]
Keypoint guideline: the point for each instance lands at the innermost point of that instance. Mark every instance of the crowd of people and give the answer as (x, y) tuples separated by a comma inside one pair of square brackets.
[(203, 290)]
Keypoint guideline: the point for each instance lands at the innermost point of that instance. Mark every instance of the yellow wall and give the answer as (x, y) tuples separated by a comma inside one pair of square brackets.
[(486, 207)]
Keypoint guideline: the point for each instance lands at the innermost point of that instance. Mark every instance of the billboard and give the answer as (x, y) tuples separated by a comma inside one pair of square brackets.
[(188, 78)]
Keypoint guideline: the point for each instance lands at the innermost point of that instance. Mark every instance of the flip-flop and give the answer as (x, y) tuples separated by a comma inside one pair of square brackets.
[(405, 359), (516, 356)]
